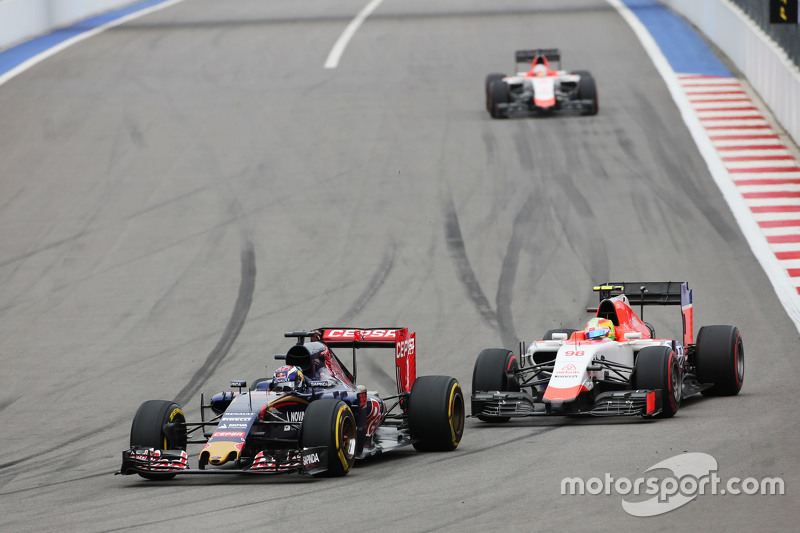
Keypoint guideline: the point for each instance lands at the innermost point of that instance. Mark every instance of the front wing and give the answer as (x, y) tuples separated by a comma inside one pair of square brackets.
[(151, 461), (646, 403), (520, 109)]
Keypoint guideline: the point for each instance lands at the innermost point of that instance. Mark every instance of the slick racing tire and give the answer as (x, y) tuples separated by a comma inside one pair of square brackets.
[(494, 370), (491, 78), (158, 424), (656, 367), (330, 423), (719, 354), (499, 94), (587, 90), (436, 413)]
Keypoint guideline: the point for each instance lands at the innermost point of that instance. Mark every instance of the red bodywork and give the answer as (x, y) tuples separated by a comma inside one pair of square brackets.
[(403, 342)]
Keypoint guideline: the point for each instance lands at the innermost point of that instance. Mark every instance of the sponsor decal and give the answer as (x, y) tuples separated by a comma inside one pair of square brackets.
[(569, 369), (405, 348), (324, 383), (227, 434), (311, 458), (244, 418), (295, 416), (365, 334), (374, 416)]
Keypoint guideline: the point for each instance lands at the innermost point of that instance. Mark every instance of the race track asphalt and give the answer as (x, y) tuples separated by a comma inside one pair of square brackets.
[(180, 190)]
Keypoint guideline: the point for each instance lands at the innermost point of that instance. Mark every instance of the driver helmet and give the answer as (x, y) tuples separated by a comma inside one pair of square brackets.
[(599, 328), (540, 70), (288, 378)]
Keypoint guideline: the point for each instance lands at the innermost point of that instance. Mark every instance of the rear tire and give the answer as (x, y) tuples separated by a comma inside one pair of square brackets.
[(150, 429), (491, 78), (656, 367), (720, 359), (491, 373), (330, 423), (587, 90), (436, 413), (499, 94)]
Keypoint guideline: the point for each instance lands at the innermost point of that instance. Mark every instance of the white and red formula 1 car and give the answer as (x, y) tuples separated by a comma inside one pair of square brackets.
[(538, 88), (619, 369)]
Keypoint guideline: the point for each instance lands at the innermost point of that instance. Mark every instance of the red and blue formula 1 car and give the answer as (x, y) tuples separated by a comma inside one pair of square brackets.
[(310, 417), (616, 366)]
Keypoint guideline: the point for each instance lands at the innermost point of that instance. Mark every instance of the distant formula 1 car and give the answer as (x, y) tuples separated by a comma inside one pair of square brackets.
[(616, 366), (311, 417), (540, 88)]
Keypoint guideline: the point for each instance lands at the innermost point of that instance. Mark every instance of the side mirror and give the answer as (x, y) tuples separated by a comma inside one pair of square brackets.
[(633, 335), (560, 336)]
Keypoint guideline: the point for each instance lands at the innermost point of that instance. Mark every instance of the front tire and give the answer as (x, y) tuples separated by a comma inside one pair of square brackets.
[(656, 367), (436, 413), (491, 78), (499, 94), (720, 359), (159, 424), (494, 371), (330, 423), (587, 90)]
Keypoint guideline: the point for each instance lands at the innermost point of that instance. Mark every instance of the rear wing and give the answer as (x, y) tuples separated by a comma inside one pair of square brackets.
[(655, 293), (400, 339), (553, 55)]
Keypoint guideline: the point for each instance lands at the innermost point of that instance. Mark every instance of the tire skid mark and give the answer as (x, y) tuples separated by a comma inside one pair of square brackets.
[(535, 432), (372, 287), (6, 403), (375, 283), (51, 484), (508, 272), (458, 251), (8, 473), (235, 324)]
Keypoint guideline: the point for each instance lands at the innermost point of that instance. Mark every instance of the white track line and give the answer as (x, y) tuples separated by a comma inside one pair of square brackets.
[(341, 43)]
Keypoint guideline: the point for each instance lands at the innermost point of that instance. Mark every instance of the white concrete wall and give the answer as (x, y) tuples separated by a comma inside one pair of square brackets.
[(23, 19), (765, 65)]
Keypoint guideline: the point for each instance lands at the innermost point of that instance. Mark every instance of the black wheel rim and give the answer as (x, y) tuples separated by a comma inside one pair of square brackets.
[(347, 430)]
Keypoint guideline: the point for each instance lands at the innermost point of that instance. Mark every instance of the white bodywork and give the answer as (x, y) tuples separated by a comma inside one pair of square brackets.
[(573, 369)]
